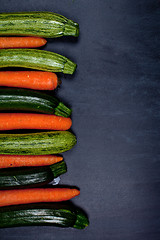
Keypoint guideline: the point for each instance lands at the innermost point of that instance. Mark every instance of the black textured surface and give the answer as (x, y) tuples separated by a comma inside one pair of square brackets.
[(115, 99)]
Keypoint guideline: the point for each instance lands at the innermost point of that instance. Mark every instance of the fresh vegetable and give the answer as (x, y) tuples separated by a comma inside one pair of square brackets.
[(36, 59), (39, 143), (22, 42), (35, 195), (61, 214), (30, 176), (29, 79), (82, 220), (42, 24), (10, 121), (14, 161), (16, 99)]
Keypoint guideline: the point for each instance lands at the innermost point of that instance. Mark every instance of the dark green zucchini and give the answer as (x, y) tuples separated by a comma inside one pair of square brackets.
[(36, 59), (30, 176), (40, 24), (16, 99), (53, 214), (38, 143)]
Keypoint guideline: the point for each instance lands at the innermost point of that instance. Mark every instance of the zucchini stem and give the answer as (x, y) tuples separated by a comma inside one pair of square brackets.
[(59, 168), (62, 110)]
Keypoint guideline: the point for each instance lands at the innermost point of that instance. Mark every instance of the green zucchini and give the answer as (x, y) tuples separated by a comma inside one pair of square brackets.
[(30, 176), (16, 99), (39, 24), (36, 59), (53, 214), (38, 143)]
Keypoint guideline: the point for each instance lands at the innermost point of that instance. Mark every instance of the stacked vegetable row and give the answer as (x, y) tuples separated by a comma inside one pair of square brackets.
[(27, 160)]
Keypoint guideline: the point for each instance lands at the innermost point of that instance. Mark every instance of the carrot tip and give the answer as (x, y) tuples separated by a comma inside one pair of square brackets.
[(60, 158), (76, 192)]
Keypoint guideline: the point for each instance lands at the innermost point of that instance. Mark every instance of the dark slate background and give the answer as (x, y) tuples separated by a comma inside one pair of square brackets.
[(115, 99)]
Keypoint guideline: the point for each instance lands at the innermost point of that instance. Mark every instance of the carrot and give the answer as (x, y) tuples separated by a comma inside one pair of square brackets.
[(35, 195), (7, 161), (29, 79), (22, 42), (10, 121)]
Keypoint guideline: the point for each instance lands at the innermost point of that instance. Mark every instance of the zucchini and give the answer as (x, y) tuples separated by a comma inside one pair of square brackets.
[(40, 24), (36, 59), (38, 143), (26, 100), (30, 176), (53, 214)]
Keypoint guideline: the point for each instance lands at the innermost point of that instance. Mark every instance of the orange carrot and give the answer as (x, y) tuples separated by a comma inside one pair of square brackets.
[(22, 42), (29, 79), (7, 161), (35, 195), (10, 121)]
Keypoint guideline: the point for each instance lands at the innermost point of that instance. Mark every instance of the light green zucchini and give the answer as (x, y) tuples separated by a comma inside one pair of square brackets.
[(40, 24), (38, 143), (36, 59)]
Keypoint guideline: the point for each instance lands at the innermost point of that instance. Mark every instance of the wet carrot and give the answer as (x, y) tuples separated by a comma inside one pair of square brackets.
[(10, 121), (8, 161), (35, 195), (29, 79), (22, 42)]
